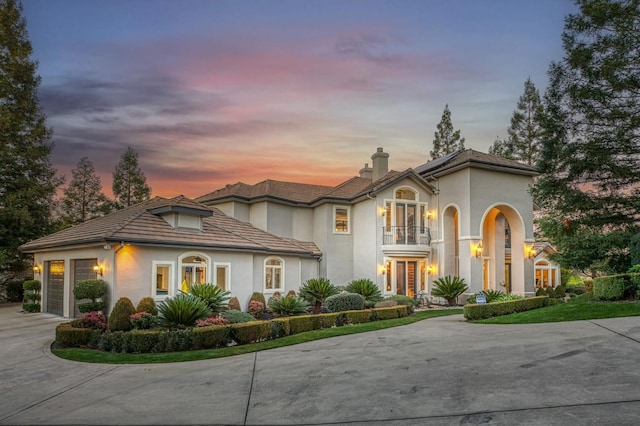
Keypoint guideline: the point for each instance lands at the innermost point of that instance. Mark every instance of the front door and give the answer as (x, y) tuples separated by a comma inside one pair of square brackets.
[(406, 277)]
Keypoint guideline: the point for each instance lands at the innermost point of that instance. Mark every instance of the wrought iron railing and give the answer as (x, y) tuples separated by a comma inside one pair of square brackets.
[(406, 235)]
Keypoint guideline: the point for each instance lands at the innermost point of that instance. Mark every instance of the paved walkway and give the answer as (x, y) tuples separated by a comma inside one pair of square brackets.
[(437, 372)]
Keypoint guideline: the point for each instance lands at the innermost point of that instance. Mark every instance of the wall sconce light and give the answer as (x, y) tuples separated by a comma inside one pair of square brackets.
[(97, 269), (531, 252), (478, 249), (36, 269), (382, 211), (382, 269), (430, 269)]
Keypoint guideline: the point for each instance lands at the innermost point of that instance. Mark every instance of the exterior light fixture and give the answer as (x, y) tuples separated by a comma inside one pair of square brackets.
[(97, 269), (478, 249), (531, 252), (36, 269)]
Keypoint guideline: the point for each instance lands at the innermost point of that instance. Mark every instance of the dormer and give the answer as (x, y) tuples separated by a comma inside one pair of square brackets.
[(181, 217)]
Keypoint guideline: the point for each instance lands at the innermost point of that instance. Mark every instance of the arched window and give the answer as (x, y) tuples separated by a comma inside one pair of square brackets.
[(273, 274), (193, 270), (546, 274)]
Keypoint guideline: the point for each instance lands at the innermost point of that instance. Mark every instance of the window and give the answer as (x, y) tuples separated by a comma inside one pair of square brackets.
[(194, 271), (161, 279), (273, 276), (340, 220), (222, 276)]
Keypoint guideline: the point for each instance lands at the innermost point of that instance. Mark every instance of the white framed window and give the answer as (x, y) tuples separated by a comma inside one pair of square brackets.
[(194, 270), (341, 219), (273, 274), (222, 275), (162, 282)]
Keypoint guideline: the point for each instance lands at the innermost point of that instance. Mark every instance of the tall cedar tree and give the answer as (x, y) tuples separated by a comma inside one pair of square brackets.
[(523, 142), (129, 183), (445, 139), (83, 198), (27, 178), (589, 191)]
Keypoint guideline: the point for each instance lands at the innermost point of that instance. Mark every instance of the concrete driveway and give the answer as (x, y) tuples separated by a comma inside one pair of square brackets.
[(437, 372)]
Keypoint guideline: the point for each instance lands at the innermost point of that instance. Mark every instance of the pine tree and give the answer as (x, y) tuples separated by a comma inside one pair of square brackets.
[(129, 183), (83, 198), (445, 139), (523, 143), (589, 189), (27, 178)]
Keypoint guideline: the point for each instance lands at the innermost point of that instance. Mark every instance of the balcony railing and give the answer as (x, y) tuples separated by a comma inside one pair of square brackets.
[(406, 235)]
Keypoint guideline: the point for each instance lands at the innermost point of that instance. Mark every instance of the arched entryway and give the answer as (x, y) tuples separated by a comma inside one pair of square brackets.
[(503, 250)]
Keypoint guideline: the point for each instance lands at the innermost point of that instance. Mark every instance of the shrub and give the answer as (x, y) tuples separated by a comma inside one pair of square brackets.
[(288, 306), (300, 324), (449, 288), (316, 290), (588, 285), (70, 336), (386, 304), (92, 290), (401, 299), (31, 295), (491, 296), (119, 318), (345, 302), (551, 292), (142, 320), (210, 337), (291, 293), (94, 320), (236, 317), (540, 291), (560, 292), (256, 309), (14, 291), (477, 312), (250, 332), (358, 316), (367, 289), (280, 327), (182, 310), (148, 305), (259, 297), (616, 287), (234, 304), (274, 296), (211, 321), (215, 298)]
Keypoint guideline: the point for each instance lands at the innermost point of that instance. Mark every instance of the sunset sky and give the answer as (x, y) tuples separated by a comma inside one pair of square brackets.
[(214, 92)]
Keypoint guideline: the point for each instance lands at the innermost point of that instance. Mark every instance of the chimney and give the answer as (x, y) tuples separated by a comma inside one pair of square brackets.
[(380, 164), (366, 172)]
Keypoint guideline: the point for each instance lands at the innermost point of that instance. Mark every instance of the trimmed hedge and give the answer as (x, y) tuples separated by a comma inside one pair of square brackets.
[(145, 341), (616, 287), (477, 312)]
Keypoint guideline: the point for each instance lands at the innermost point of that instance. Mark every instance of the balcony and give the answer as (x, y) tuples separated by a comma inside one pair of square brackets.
[(406, 240)]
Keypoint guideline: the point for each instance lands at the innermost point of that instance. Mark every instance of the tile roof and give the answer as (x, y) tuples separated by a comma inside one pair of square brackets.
[(136, 224), (459, 159)]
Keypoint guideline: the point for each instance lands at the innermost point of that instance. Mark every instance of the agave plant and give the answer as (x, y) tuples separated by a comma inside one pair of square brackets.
[(182, 311), (288, 306), (316, 290), (215, 298), (366, 288), (449, 288)]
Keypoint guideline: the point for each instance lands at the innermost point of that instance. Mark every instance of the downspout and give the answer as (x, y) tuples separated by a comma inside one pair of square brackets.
[(115, 270)]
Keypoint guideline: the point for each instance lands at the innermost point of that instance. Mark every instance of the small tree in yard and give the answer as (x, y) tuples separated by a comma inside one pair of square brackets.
[(93, 290), (449, 288)]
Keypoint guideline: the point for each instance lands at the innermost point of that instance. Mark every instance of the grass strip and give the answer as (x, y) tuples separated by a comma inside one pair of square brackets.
[(574, 310), (95, 356)]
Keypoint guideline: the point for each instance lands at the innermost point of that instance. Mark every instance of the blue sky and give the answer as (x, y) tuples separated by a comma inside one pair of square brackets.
[(214, 92)]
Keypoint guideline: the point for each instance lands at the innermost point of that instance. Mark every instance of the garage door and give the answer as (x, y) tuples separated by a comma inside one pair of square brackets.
[(55, 287), (82, 270)]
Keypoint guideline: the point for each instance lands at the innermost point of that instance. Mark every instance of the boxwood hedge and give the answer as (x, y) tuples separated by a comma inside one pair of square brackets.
[(477, 312)]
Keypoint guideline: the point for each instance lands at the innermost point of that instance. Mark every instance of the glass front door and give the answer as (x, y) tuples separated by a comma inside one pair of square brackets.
[(406, 277)]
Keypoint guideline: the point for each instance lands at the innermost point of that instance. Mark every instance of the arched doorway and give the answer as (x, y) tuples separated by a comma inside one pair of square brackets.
[(503, 250)]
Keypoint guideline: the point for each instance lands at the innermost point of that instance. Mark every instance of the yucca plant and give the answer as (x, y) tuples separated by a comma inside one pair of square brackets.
[(316, 290), (449, 288), (288, 306), (366, 288), (182, 311), (216, 299)]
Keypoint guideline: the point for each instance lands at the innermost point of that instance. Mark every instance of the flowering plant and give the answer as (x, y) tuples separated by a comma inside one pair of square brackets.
[(212, 321), (142, 320), (256, 309), (94, 320)]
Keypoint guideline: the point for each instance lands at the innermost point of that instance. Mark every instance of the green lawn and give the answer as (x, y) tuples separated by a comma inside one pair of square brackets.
[(90, 355), (574, 310)]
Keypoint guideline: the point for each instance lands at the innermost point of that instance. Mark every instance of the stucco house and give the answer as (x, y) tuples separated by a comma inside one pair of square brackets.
[(467, 214)]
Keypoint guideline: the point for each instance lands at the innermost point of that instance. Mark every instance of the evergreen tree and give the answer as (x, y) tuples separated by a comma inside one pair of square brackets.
[(523, 143), (445, 139), (589, 190), (27, 178), (83, 198), (129, 183)]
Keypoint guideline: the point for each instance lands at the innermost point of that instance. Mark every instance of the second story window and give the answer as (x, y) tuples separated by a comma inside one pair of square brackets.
[(341, 220)]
